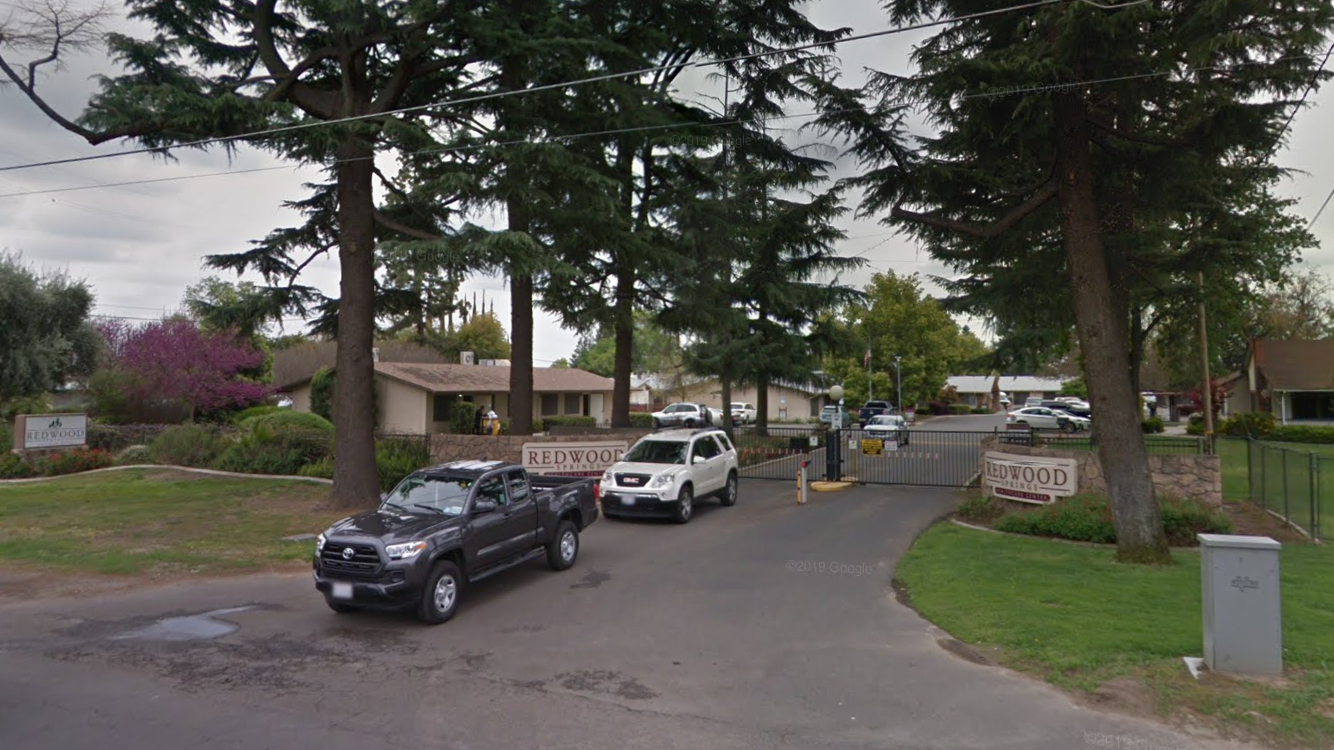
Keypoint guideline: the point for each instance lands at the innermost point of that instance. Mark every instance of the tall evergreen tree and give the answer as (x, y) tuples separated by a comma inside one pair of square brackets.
[(226, 68), (1103, 128)]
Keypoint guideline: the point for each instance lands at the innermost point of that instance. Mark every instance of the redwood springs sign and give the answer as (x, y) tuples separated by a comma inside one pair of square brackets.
[(1029, 479), (572, 459), (50, 431)]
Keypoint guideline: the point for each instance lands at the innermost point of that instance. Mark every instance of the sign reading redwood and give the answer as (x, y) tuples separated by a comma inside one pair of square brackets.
[(50, 431), (1029, 479), (572, 459)]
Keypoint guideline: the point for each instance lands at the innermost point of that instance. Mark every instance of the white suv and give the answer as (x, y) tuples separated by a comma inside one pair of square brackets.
[(662, 474)]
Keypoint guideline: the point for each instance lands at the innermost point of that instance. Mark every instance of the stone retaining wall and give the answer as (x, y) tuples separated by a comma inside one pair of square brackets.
[(1185, 476), (445, 447)]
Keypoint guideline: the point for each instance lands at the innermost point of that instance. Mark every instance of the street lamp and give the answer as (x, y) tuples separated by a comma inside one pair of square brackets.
[(833, 461), (898, 383)]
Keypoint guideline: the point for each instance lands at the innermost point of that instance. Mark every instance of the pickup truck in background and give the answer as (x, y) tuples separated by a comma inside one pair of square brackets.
[(873, 409), (448, 526)]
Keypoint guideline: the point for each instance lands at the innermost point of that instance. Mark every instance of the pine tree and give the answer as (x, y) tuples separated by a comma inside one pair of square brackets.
[(1105, 130)]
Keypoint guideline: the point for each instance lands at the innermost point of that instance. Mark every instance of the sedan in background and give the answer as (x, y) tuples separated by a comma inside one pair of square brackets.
[(1041, 418)]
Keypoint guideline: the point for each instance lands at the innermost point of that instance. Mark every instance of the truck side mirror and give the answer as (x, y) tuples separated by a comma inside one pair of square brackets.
[(484, 506)]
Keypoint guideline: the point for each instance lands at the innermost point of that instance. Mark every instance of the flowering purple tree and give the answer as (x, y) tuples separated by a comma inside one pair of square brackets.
[(174, 361)]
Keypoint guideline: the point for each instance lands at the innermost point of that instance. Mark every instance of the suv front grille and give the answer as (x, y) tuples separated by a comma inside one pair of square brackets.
[(632, 480), (363, 560)]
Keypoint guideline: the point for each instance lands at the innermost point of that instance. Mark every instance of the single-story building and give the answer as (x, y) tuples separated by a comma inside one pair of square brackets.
[(975, 390), (1293, 380), (418, 398), (787, 401)]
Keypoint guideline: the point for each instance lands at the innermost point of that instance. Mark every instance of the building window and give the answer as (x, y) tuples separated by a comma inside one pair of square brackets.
[(573, 404), (442, 405), (550, 404)]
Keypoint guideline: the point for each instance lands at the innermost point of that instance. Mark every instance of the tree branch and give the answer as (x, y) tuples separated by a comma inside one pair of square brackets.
[(993, 229), (389, 223), (1147, 140), (318, 252)]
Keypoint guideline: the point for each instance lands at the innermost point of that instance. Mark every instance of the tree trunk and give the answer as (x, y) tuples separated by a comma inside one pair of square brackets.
[(1138, 338), (521, 345), (726, 381), (1105, 346), (762, 403), (356, 479), (625, 342)]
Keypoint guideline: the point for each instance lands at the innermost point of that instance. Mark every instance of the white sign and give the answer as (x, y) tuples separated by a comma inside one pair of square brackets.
[(1030, 479), (51, 430), (572, 459)]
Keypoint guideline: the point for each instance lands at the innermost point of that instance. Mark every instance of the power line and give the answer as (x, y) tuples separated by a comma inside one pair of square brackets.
[(566, 84)]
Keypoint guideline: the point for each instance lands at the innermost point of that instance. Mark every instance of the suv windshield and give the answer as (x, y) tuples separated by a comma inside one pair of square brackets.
[(418, 493), (657, 452)]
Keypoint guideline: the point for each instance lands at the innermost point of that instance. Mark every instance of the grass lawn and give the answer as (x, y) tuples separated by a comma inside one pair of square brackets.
[(1071, 615), (154, 522)]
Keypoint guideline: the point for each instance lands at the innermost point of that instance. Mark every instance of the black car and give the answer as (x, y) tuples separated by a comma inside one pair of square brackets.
[(448, 526), (873, 409)]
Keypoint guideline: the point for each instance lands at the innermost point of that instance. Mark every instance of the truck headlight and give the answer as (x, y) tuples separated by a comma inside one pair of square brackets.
[(319, 543), (662, 480), (404, 551)]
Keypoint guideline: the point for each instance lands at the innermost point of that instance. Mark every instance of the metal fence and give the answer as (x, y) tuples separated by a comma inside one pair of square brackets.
[(1297, 486), (926, 458), (1190, 445)]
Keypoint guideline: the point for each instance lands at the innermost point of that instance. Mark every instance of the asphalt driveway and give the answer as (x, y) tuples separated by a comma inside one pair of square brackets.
[(765, 625)]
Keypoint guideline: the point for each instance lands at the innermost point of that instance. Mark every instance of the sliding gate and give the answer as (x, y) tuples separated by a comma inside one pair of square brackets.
[(927, 458)]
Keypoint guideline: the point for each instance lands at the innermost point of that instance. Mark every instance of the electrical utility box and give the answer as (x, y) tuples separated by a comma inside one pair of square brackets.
[(1243, 623)]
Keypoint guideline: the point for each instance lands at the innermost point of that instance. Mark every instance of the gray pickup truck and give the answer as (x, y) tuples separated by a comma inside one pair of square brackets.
[(448, 526)]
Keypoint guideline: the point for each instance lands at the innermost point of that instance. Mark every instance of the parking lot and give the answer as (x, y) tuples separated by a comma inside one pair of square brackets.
[(764, 625)]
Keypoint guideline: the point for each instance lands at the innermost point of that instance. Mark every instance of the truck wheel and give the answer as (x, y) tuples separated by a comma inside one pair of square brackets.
[(685, 505), (728, 495), (341, 609), (440, 596), (563, 547)]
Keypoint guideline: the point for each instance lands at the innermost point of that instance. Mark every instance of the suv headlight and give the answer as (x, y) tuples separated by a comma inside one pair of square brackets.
[(606, 477), (319, 543), (662, 480), (404, 551)]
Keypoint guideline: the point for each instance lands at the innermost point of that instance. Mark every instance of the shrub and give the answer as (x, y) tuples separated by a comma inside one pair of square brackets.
[(1088, 518), (71, 462), (1255, 424), (321, 392), (1302, 433), (324, 469), (7, 436), (1152, 425), (1183, 519), (571, 421), (286, 418), (463, 417), (135, 455), (1196, 425), (118, 437), (396, 458), (10, 409), (14, 467), (271, 444), (960, 409), (1082, 518), (981, 410), (641, 419), (255, 411), (197, 445), (981, 509)]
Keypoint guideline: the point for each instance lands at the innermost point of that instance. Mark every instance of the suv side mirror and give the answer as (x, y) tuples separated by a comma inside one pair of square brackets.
[(698, 460), (484, 506)]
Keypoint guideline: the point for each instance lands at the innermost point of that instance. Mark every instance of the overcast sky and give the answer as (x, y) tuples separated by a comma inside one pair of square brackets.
[(141, 246)]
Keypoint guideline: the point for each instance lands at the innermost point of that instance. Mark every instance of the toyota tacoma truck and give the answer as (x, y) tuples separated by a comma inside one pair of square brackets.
[(448, 526)]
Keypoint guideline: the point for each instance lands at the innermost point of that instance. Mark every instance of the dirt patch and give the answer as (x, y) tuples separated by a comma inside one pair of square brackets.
[(22, 582), (901, 594), (1125, 695), (1250, 520), (964, 651)]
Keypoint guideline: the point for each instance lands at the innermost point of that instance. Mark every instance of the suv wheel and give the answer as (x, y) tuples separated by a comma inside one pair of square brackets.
[(690, 423), (728, 495), (685, 505), (440, 595), (563, 547)]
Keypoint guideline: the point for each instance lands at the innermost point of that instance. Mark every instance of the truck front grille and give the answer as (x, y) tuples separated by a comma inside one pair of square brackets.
[(362, 560)]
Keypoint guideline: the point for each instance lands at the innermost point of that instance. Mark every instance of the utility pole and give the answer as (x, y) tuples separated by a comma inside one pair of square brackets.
[(1204, 363), (898, 384), (870, 395)]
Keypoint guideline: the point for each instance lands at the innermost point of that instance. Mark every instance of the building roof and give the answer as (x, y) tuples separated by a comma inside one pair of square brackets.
[(437, 378), (1008, 383), (297, 364), (1295, 365)]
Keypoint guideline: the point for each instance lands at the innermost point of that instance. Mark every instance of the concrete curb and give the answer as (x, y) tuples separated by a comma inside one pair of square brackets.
[(188, 469)]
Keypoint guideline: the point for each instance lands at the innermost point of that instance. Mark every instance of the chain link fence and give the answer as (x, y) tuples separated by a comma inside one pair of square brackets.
[(1297, 486)]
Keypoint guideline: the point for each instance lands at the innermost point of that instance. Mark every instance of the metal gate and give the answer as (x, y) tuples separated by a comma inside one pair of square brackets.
[(926, 458)]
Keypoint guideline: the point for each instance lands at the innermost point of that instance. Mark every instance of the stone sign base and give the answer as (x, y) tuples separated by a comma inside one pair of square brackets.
[(1184, 476)]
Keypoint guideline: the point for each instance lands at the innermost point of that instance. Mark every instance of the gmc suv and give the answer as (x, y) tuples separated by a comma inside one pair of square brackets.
[(448, 526), (662, 474)]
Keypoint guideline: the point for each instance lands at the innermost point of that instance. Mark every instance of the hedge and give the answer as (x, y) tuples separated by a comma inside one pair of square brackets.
[(641, 419), (197, 445), (961, 409), (1256, 424), (573, 421), (1152, 425), (1302, 433)]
